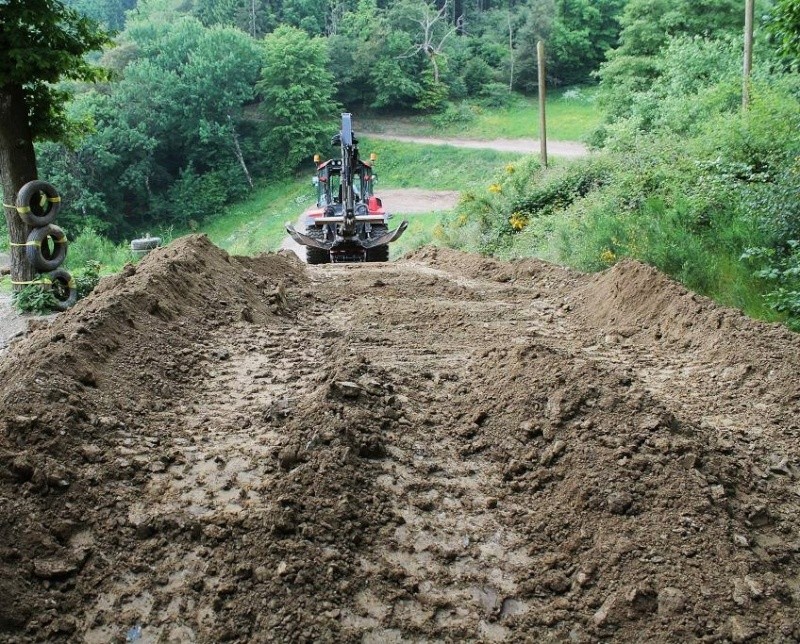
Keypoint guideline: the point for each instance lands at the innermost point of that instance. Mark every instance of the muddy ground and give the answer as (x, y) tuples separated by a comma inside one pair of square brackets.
[(444, 448)]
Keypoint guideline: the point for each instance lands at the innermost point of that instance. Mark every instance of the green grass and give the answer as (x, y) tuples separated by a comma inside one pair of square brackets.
[(257, 224), (571, 116), (432, 167), (421, 231)]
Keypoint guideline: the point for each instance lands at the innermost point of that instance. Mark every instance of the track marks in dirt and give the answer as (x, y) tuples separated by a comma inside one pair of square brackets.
[(441, 448)]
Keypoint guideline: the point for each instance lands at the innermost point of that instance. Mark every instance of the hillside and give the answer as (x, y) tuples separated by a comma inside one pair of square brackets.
[(444, 447)]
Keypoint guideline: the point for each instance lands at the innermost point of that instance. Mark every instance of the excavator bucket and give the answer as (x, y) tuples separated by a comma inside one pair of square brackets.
[(305, 240), (387, 238)]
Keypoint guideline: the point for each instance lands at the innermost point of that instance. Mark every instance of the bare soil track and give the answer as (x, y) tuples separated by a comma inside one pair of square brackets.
[(444, 448)]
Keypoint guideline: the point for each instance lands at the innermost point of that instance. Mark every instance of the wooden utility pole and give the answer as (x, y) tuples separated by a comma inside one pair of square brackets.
[(542, 97), (749, 12)]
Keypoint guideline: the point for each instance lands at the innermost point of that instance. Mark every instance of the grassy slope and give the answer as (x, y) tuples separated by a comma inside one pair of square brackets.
[(569, 118)]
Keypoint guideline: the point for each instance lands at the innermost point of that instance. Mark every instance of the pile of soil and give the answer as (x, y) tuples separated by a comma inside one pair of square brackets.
[(213, 448)]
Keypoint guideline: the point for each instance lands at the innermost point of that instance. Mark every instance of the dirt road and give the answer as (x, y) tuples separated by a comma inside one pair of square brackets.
[(441, 448), (569, 149)]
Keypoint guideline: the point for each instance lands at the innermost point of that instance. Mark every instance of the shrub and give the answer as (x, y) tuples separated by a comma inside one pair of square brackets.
[(686, 182), (496, 95), (34, 298), (89, 246), (453, 114), (87, 278), (781, 271), (477, 74)]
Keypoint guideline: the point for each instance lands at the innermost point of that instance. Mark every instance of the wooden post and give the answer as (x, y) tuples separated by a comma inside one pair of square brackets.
[(749, 12), (542, 97)]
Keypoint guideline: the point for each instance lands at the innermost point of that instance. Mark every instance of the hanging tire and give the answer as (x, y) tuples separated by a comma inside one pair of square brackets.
[(38, 203), (317, 255), (378, 254), (47, 249), (63, 288), (145, 243)]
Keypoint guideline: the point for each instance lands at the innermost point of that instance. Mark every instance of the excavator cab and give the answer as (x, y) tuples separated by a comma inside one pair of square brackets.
[(328, 182), (349, 223)]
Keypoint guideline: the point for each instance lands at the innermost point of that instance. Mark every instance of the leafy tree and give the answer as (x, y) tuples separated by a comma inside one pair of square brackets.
[(110, 13), (647, 26), (369, 58), (784, 26), (583, 32), (297, 97), (176, 114), (43, 42)]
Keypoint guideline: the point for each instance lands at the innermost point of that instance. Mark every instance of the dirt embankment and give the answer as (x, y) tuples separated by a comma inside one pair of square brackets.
[(446, 447)]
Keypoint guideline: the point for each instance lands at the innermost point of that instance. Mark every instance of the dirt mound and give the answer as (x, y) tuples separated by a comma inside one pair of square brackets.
[(637, 521), (636, 301), (479, 267), (448, 447), (95, 376)]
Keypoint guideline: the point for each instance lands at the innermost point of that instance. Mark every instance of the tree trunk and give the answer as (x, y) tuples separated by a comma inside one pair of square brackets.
[(510, 52), (238, 150), (435, 68), (17, 167)]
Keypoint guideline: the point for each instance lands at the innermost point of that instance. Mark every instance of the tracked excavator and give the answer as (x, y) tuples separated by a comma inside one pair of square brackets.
[(348, 223)]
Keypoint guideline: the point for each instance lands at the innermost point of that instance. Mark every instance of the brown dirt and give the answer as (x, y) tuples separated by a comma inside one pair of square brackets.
[(442, 448)]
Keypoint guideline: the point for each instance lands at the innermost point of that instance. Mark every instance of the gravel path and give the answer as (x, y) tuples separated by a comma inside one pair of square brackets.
[(12, 323)]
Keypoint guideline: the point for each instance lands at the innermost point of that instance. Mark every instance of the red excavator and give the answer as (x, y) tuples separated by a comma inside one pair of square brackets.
[(349, 223)]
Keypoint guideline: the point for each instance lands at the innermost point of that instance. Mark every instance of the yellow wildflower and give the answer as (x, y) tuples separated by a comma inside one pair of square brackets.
[(518, 220), (608, 257), (495, 188)]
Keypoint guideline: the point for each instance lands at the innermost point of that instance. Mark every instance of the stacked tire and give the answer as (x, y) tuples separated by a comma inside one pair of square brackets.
[(140, 247), (38, 204)]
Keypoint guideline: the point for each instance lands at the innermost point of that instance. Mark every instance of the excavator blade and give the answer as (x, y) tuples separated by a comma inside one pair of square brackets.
[(388, 238), (305, 240)]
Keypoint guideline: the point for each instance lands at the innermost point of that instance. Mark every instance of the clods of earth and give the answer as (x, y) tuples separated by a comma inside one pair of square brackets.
[(444, 448)]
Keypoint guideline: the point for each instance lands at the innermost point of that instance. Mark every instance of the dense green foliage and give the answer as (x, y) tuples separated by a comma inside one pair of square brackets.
[(164, 139), (43, 42), (685, 181), (34, 298), (110, 13), (297, 92), (784, 26)]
